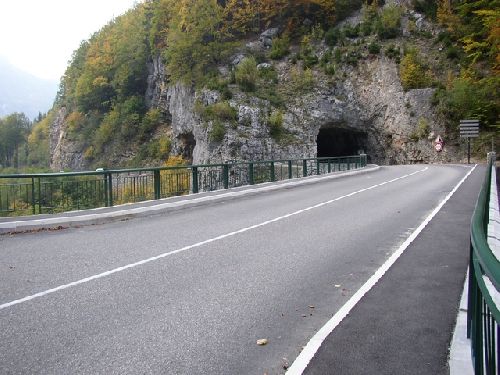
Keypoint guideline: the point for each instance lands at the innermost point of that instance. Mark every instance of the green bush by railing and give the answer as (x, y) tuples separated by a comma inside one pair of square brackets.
[(484, 268), (29, 194)]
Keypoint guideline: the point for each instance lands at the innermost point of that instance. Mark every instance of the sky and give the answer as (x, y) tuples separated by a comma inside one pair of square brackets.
[(39, 36)]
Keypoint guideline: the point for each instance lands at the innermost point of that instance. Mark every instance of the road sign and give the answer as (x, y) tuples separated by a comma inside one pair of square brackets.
[(469, 128), (438, 144)]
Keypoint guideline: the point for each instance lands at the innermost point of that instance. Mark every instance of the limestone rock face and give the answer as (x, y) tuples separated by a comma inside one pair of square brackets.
[(63, 154), (364, 108)]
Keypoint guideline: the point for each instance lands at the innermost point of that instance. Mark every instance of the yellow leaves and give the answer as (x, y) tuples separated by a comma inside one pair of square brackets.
[(490, 18), (445, 15), (174, 161), (100, 81), (74, 121), (413, 75)]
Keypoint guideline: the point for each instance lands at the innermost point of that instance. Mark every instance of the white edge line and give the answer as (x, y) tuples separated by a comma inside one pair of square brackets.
[(307, 354), (198, 244)]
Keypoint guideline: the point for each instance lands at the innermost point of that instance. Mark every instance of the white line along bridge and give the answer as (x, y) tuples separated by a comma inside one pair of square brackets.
[(42, 193)]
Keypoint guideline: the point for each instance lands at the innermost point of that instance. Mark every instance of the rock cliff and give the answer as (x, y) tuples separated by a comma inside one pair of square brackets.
[(363, 107)]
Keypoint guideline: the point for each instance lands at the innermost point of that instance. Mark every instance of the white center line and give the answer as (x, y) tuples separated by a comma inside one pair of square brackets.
[(189, 247)]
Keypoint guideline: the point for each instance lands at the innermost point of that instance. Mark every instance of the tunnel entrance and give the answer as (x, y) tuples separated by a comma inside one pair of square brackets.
[(340, 142), (187, 145)]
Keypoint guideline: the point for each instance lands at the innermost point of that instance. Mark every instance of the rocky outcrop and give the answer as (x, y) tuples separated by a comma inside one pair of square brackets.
[(64, 154), (364, 105)]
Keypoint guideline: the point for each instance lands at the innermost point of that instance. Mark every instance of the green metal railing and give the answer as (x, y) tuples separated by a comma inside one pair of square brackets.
[(30, 194), (482, 312)]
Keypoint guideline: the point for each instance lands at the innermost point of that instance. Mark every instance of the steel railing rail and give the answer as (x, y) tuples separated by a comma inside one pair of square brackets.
[(484, 280), (37, 193)]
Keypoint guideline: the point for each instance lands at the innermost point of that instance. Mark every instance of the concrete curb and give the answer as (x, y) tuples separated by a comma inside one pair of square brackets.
[(93, 217), (460, 361)]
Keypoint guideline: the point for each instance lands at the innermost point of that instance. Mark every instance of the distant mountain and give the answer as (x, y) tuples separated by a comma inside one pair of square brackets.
[(23, 92)]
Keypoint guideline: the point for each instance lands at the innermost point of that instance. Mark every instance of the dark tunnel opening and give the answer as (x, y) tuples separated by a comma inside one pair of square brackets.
[(340, 142), (188, 143)]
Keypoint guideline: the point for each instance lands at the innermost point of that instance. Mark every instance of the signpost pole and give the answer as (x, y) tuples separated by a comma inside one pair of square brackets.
[(468, 150)]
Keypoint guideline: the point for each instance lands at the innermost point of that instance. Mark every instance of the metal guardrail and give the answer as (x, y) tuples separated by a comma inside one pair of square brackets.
[(484, 268), (30, 194)]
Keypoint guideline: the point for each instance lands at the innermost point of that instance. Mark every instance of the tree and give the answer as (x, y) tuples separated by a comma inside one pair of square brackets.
[(194, 39), (13, 131)]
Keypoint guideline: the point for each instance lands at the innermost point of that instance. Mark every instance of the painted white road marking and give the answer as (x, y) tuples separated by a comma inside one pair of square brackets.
[(305, 356), (198, 244)]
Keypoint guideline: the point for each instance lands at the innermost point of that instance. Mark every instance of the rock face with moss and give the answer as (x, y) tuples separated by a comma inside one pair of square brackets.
[(362, 85)]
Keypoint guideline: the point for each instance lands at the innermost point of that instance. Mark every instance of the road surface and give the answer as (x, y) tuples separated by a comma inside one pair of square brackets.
[(192, 291)]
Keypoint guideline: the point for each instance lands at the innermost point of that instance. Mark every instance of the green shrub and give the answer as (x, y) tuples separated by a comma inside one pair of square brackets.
[(301, 80), (157, 149), (224, 112), (337, 55), (352, 57), (149, 123), (427, 7), (215, 82), (270, 94), (351, 31), (389, 23), (421, 131), (220, 111), (329, 69), (217, 132), (325, 58), (452, 52), (344, 8), (268, 75), (280, 47), (317, 32), (246, 74), (275, 123), (310, 61), (333, 36), (374, 48), (307, 53), (365, 28), (393, 53), (445, 37)]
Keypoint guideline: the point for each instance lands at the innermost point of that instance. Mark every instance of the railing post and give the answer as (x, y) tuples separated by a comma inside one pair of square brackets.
[(106, 195), (304, 168), (110, 190), (290, 172), (348, 164), (318, 172), (194, 173), (329, 166), (157, 183), (33, 200), (273, 177), (39, 196), (225, 175), (250, 174)]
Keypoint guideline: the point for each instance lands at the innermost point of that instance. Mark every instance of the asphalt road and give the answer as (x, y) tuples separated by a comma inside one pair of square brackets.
[(217, 278)]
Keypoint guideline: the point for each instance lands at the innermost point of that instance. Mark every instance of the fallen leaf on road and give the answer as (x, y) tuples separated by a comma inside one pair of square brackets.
[(286, 364), (311, 306), (337, 285), (262, 342)]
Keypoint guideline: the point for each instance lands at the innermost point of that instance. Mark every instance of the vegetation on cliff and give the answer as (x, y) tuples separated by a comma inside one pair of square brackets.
[(104, 88)]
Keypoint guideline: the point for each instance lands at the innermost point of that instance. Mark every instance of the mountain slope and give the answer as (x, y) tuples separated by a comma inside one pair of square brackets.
[(23, 92), (215, 80)]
